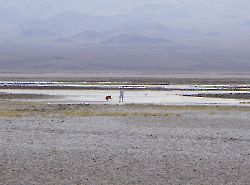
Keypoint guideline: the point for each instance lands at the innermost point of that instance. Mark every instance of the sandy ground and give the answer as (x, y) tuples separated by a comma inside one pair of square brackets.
[(130, 144)]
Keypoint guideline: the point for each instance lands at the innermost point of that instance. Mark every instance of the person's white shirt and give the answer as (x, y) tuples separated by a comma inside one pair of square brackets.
[(121, 95)]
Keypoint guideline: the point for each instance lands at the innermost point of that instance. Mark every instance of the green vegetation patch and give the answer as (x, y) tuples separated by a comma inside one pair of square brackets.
[(13, 113), (113, 114)]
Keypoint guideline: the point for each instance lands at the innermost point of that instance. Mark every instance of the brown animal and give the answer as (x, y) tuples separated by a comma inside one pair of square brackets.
[(108, 97)]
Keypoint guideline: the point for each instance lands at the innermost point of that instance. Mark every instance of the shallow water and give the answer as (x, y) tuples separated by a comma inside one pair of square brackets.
[(135, 96)]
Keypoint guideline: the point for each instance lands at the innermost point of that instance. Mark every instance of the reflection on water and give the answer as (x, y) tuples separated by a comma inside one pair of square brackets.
[(173, 97), (145, 94)]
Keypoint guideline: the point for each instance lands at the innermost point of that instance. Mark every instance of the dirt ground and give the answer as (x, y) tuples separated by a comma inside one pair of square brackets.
[(130, 144)]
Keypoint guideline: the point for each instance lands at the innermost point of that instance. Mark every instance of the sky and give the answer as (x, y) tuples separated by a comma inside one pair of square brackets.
[(111, 7)]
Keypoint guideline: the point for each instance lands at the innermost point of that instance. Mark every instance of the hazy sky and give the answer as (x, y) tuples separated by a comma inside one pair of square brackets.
[(175, 34), (110, 7)]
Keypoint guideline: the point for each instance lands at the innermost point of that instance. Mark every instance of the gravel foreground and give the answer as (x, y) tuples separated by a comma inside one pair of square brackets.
[(145, 145)]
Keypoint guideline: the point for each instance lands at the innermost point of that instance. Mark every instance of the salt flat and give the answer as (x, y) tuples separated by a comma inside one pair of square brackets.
[(74, 136)]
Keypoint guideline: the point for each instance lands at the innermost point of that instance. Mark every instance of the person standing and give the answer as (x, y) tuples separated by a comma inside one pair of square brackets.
[(121, 95)]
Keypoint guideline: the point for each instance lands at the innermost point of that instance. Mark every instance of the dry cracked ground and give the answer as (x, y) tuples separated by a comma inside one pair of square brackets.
[(129, 144)]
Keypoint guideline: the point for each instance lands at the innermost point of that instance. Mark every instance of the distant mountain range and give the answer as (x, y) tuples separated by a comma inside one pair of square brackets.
[(82, 28), (149, 37)]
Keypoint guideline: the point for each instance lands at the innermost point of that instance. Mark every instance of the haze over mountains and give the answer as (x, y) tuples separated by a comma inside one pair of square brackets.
[(142, 35)]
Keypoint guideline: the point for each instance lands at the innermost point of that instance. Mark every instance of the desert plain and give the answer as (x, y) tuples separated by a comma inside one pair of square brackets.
[(123, 143)]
